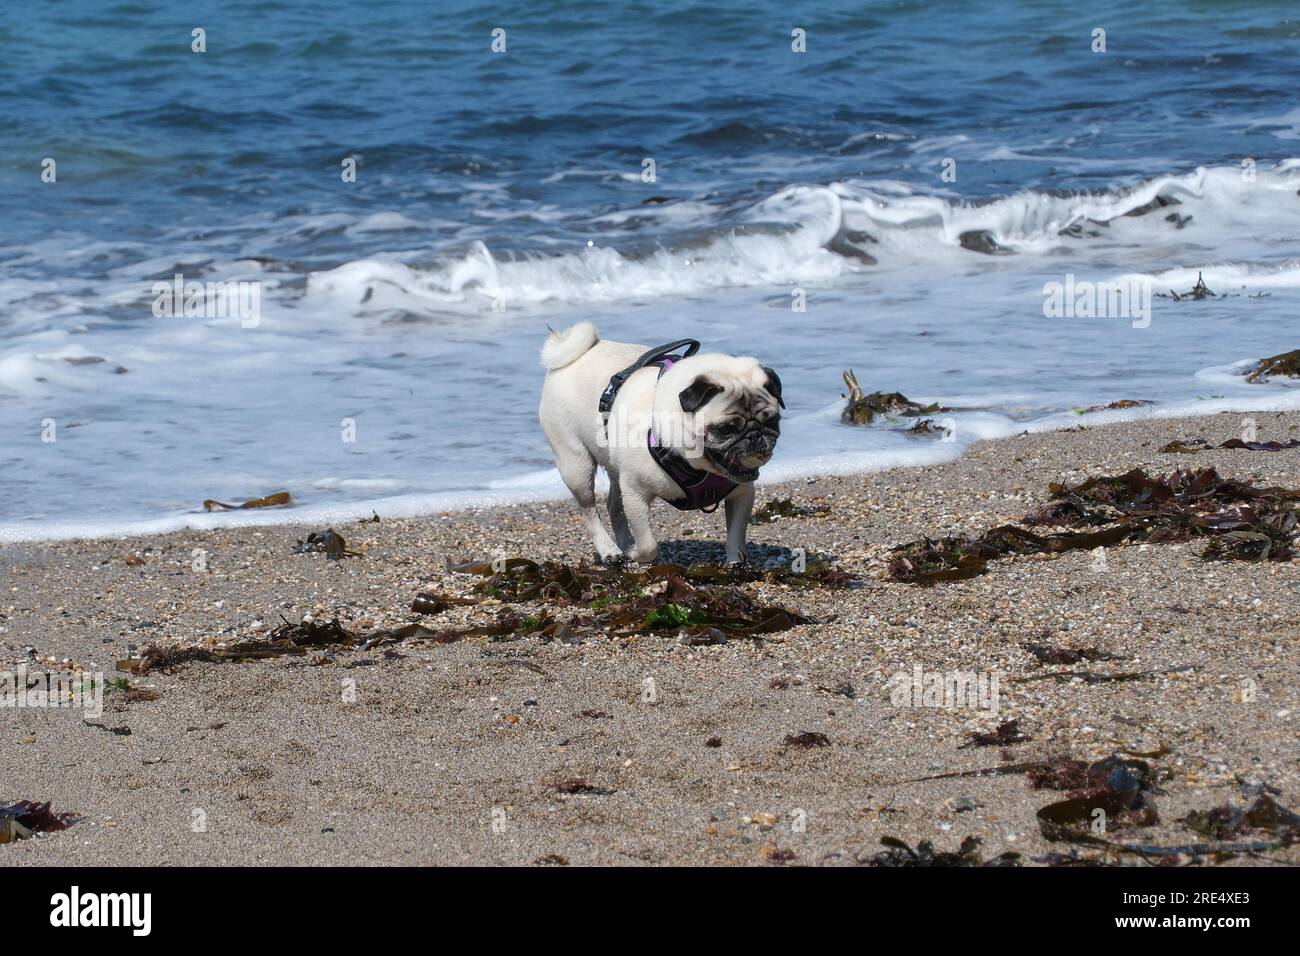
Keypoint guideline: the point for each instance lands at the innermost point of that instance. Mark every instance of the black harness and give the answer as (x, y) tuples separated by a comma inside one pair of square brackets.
[(703, 490)]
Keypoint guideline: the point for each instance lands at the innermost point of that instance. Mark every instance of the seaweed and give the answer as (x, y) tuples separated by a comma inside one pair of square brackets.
[(115, 731), (1072, 858), (1286, 363), (807, 740), (519, 579), (164, 657), (270, 501), (1228, 822), (899, 854), (1244, 522), (1192, 445), (1067, 655), (841, 689), (1128, 804), (1072, 820), (926, 426), (1171, 854), (509, 625), (1196, 292), (1005, 734), (954, 558), (695, 600), (23, 818), (1060, 772), (580, 785), (288, 638), (862, 409), (709, 612), (1111, 406), (1272, 541), (1119, 788), (786, 508), (426, 603), (1101, 677), (329, 541)]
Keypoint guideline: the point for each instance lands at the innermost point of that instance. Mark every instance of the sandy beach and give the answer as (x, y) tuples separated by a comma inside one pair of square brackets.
[(648, 749)]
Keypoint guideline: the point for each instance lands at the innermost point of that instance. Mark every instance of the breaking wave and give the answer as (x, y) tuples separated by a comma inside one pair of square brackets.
[(815, 234)]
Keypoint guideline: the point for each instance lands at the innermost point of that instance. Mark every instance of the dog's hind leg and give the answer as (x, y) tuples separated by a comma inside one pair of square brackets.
[(618, 518), (578, 469)]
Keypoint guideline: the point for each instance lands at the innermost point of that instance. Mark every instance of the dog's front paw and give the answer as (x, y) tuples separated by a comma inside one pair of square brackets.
[(737, 560), (646, 555)]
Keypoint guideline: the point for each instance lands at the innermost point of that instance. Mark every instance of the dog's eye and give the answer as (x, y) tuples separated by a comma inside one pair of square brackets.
[(726, 429)]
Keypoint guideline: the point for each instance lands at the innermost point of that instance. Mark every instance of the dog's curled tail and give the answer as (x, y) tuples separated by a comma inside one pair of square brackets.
[(563, 348)]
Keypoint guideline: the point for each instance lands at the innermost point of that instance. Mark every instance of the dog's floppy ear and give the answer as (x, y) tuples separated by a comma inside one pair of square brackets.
[(773, 385), (697, 394)]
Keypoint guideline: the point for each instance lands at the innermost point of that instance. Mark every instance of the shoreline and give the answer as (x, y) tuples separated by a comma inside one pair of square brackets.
[(462, 752), (418, 506)]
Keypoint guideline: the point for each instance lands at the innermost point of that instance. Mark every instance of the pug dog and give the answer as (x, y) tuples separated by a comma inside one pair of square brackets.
[(692, 432)]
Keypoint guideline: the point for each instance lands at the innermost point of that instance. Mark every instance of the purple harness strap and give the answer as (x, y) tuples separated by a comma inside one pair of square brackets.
[(703, 490)]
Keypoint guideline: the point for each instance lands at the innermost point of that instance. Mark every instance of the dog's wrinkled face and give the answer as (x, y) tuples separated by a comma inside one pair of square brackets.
[(734, 420)]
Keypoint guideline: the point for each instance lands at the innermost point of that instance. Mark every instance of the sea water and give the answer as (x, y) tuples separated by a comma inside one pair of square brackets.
[(414, 208)]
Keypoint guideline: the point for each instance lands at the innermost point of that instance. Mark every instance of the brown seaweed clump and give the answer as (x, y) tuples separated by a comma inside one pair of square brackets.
[(701, 603), (1192, 445), (899, 854), (276, 500), (1228, 822), (1114, 406), (1287, 363), (862, 409), (1242, 522), (786, 508)]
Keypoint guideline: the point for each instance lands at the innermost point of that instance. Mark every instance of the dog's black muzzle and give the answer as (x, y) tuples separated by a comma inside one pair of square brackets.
[(741, 457)]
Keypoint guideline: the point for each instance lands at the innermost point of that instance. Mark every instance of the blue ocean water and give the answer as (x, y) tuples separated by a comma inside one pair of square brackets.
[(497, 192)]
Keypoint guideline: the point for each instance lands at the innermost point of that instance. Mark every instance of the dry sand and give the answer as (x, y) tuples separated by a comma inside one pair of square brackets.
[(452, 753)]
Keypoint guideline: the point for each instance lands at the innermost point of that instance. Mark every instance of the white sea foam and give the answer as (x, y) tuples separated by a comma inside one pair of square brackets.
[(788, 238)]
